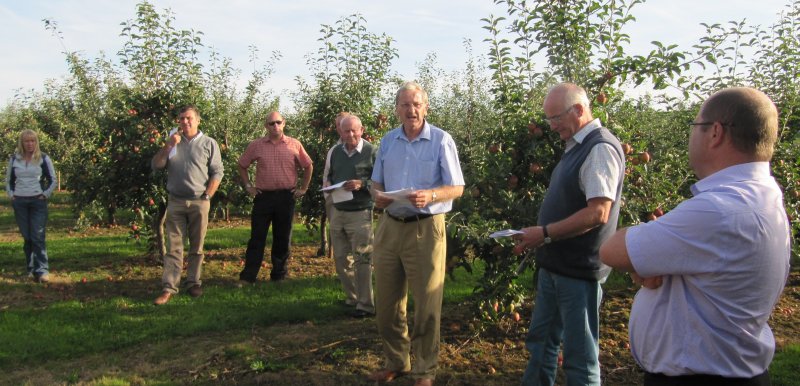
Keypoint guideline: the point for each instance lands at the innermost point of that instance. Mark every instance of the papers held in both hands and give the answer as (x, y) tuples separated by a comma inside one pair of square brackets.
[(505, 233), (400, 198), (338, 192)]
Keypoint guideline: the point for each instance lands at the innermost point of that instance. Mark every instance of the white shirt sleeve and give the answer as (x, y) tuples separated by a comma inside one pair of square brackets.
[(599, 172)]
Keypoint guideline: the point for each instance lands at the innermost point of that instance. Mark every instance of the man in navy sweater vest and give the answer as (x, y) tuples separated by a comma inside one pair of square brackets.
[(579, 211)]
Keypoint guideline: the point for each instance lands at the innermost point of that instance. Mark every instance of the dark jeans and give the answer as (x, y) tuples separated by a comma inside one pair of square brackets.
[(651, 379), (31, 216), (275, 207)]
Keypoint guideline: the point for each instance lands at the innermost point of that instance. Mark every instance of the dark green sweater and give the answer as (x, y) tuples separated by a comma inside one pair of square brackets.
[(357, 167)]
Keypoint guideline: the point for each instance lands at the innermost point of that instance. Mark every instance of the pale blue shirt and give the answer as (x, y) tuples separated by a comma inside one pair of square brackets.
[(427, 162), (724, 258)]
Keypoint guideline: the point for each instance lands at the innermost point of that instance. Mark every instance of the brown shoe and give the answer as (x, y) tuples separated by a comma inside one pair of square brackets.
[(196, 291), (424, 382), (386, 375), (163, 299)]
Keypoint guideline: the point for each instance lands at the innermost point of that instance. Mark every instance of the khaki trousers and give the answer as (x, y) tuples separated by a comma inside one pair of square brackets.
[(191, 217), (410, 256), (351, 235)]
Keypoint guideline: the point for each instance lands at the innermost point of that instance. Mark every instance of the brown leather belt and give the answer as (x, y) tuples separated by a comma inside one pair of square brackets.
[(409, 219)]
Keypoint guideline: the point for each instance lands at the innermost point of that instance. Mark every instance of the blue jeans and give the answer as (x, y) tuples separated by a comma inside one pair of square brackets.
[(566, 309), (31, 216)]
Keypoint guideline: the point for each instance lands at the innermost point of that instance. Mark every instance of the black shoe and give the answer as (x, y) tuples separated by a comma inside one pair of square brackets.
[(242, 283), (361, 314), (196, 291)]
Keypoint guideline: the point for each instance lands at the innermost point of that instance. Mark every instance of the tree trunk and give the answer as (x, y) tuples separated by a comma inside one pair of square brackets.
[(159, 246), (323, 237)]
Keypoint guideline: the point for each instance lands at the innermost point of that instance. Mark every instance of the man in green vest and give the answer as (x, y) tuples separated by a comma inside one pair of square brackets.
[(351, 164)]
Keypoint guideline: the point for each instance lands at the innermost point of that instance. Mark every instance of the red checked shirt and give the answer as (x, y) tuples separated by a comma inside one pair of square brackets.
[(276, 162)]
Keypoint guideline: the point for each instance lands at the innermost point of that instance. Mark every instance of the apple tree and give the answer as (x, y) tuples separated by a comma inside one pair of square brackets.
[(351, 73)]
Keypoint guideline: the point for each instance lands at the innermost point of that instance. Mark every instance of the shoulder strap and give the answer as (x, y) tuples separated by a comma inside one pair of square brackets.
[(46, 179), (13, 179)]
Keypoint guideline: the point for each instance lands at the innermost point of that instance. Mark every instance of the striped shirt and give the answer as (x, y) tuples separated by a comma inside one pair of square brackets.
[(276, 162)]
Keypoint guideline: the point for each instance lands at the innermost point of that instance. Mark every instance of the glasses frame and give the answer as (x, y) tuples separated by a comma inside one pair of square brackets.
[(723, 124), (559, 117)]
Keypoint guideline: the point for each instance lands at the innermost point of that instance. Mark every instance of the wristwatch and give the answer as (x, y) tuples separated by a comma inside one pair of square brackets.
[(547, 239), (433, 195), (204, 196)]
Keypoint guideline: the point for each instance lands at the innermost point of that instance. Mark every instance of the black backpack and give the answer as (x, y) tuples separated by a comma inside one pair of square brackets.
[(44, 180)]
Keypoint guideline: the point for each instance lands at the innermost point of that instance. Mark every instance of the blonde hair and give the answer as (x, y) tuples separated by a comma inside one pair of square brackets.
[(411, 86), (27, 133)]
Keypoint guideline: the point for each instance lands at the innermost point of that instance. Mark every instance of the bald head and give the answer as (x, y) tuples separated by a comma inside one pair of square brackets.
[(749, 116)]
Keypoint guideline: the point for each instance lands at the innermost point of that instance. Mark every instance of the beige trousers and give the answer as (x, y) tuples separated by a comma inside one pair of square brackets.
[(191, 217), (351, 235), (410, 256)]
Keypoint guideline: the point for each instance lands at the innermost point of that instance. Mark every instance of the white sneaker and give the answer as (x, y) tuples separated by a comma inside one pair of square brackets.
[(44, 278)]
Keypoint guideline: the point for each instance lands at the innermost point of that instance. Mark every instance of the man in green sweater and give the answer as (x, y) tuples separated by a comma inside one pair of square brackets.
[(351, 163)]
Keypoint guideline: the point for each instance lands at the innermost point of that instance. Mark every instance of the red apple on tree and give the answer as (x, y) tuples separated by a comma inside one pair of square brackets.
[(627, 148), (602, 98), (513, 182), (475, 192), (535, 131)]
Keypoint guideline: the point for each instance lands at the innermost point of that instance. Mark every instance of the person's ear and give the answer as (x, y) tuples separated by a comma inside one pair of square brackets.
[(717, 134)]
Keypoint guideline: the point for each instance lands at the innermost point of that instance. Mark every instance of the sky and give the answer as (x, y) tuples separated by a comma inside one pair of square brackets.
[(32, 55)]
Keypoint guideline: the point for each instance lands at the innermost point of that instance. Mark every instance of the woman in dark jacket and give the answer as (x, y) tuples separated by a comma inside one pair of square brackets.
[(29, 183)]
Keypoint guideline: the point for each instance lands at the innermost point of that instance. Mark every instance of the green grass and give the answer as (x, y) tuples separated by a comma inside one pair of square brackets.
[(785, 366), (70, 319), (101, 318)]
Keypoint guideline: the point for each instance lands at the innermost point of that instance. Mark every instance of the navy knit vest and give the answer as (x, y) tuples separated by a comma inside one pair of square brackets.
[(577, 257)]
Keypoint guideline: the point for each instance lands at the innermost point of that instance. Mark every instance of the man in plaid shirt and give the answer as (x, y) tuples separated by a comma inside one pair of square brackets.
[(278, 158)]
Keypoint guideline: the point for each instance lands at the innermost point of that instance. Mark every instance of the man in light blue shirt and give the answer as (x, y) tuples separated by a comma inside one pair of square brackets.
[(713, 268), (409, 249)]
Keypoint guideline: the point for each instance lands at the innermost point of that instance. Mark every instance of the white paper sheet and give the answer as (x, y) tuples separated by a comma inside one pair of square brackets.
[(340, 195), (505, 233), (332, 187), (400, 199)]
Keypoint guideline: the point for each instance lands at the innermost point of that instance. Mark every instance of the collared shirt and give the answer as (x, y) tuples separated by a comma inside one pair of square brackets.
[(276, 162), (724, 258), (429, 161), (600, 170)]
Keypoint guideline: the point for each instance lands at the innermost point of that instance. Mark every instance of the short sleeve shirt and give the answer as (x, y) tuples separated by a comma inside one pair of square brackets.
[(276, 162)]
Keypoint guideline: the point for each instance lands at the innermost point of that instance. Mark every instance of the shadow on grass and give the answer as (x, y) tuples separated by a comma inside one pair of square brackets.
[(93, 317)]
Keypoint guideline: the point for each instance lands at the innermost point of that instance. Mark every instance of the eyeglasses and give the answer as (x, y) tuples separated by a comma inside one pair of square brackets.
[(271, 123), (557, 118), (710, 123), (408, 106)]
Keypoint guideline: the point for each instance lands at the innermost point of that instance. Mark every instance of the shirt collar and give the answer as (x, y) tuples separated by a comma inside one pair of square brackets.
[(283, 139), (425, 134), (740, 172), (175, 130), (358, 148), (586, 129), (578, 137)]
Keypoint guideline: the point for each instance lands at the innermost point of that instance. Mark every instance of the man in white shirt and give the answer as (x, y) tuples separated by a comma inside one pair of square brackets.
[(713, 268)]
